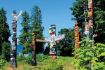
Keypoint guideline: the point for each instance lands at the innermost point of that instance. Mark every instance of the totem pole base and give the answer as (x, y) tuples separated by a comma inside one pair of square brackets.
[(53, 56), (33, 63)]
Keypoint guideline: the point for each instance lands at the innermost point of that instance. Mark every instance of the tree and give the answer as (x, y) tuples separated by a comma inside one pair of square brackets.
[(37, 26), (4, 33), (66, 45), (25, 37), (6, 50), (89, 55), (99, 20)]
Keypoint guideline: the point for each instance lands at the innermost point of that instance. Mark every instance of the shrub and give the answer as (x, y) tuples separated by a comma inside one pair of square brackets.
[(90, 56), (20, 57), (6, 50), (28, 59), (99, 66), (41, 57), (2, 63)]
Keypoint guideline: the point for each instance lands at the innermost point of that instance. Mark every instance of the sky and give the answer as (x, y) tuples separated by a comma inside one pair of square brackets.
[(53, 12)]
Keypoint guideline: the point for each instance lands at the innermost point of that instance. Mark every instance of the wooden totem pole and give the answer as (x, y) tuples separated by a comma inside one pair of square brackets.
[(76, 32), (89, 24), (90, 18), (33, 49), (14, 39)]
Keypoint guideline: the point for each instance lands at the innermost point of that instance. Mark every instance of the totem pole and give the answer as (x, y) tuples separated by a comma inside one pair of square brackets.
[(90, 18), (33, 49), (76, 34), (52, 40), (53, 48), (14, 39), (89, 24), (86, 32)]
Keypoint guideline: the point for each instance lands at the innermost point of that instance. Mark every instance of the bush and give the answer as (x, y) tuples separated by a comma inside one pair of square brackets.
[(44, 62), (6, 50), (20, 57), (89, 56), (47, 63), (99, 66), (2, 62), (41, 57), (28, 59)]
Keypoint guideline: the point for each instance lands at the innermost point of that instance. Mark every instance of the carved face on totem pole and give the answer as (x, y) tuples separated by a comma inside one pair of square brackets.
[(90, 8), (52, 33)]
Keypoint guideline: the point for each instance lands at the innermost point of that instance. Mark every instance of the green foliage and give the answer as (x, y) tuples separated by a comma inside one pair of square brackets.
[(65, 46), (90, 56), (50, 64), (41, 57), (28, 59), (78, 12), (27, 47), (25, 37), (54, 65), (6, 50), (36, 26), (99, 66), (4, 35), (4, 28), (99, 20), (20, 57), (44, 62), (2, 62)]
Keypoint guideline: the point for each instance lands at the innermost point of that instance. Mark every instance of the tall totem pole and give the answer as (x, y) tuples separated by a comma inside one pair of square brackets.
[(14, 39), (76, 34), (53, 48), (90, 18), (89, 24), (34, 48)]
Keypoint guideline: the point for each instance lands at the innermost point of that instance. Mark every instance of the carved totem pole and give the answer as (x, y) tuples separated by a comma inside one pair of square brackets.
[(33, 49), (89, 24), (90, 18), (52, 40), (53, 48), (76, 34), (14, 39)]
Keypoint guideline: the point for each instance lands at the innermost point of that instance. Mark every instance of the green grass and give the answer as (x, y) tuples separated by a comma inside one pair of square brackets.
[(46, 63)]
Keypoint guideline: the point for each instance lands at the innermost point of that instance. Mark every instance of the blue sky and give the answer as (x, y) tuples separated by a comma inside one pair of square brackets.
[(53, 12)]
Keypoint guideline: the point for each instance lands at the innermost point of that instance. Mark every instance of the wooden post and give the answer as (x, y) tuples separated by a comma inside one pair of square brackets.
[(33, 49), (76, 31), (14, 41)]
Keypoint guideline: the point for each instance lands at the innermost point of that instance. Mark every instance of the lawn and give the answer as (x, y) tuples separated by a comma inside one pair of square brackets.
[(45, 63)]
